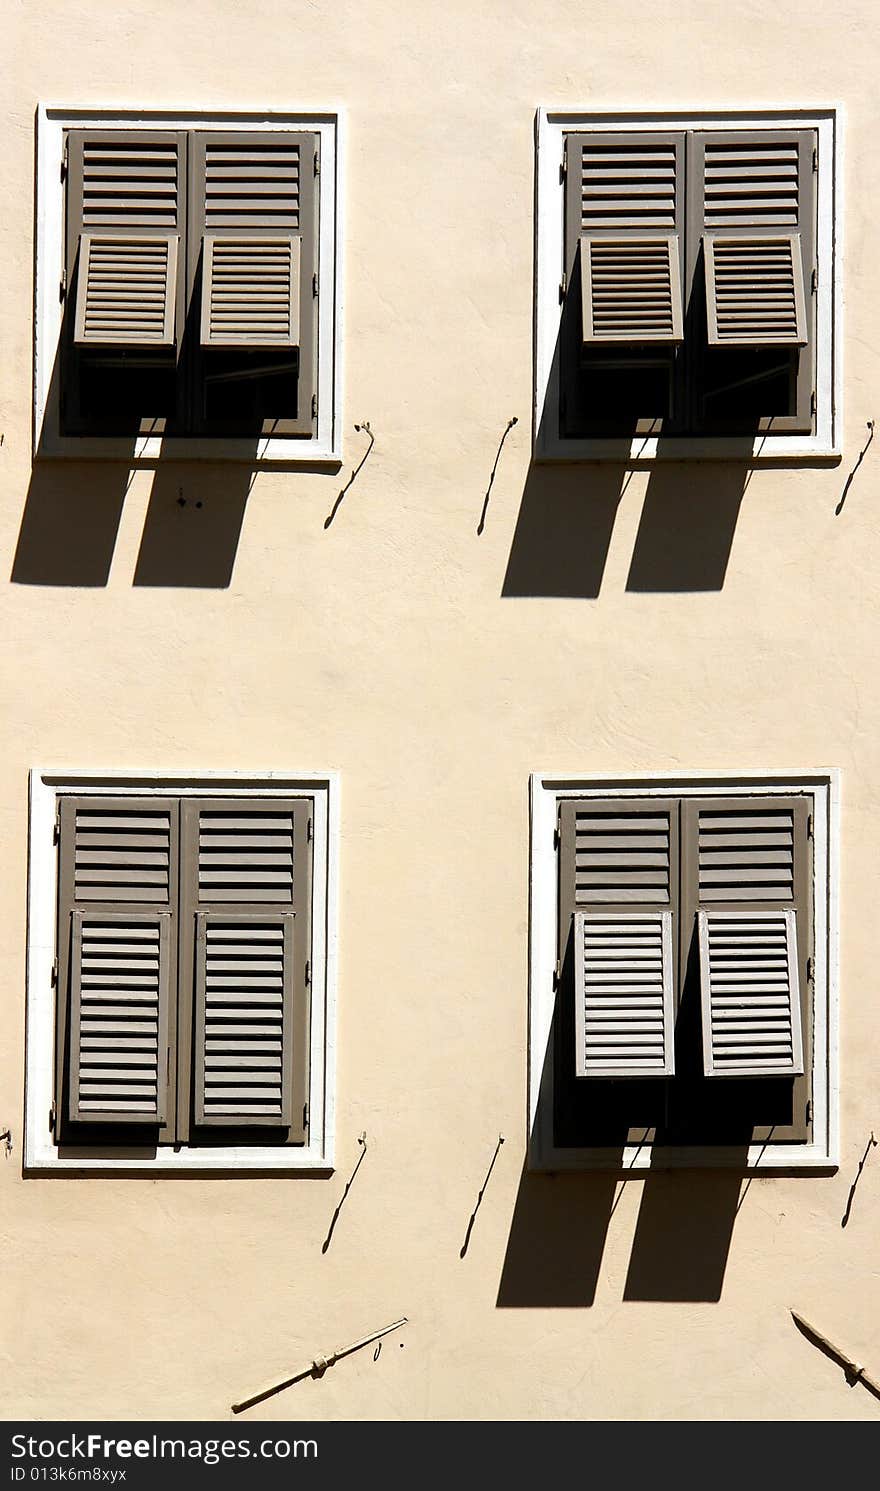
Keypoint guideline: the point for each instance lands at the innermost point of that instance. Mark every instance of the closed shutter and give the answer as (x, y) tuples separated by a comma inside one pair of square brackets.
[(117, 963), (126, 212), (247, 895), (747, 858), (618, 888), (626, 208), (756, 193), (750, 993)]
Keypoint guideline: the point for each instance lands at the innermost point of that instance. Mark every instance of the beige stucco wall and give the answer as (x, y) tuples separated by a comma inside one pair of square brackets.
[(384, 647)]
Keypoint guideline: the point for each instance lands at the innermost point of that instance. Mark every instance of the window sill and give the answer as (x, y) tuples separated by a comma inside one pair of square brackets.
[(148, 451), (43, 1160), (643, 451)]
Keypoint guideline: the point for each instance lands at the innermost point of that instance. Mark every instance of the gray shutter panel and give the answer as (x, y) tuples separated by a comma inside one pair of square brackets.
[(750, 993), (119, 1002), (756, 190), (746, 850), (624, 986), (244, 1019), (250, 291), (127, 205), (258, 207), (249, 885), (117, 959), (629, 205), (619, 867)]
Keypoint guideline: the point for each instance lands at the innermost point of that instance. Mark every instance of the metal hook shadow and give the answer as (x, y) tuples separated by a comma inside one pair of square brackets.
[(869, 425), (362, 1141), (364, 425), (482, 523), (871, 1144), (480, 1194)]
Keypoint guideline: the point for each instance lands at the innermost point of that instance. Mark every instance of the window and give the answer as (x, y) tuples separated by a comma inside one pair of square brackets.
[(682, 986), (199, 288), (686, 289), (188, 938)]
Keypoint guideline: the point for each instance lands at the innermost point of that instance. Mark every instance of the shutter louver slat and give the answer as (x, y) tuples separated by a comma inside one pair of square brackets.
[(244, 1028), (121, 856), (621, 855), (623, 994), (246, 856), (253, 185), (755, 290), (746, 854), (750, 993), (631, 289), (119, 1017), (250, 291)]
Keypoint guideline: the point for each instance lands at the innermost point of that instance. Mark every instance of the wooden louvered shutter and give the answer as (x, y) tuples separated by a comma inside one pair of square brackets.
[(126, 196), (253, 258), (625, 210), (618, 879), (117, 959), (755, 189), (247, 896), (747, 858), (751, 235)]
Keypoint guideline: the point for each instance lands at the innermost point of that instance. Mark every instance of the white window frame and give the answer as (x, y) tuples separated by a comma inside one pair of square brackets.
[(294, 452), (823, 1152), (551, 129), (41, 1155)]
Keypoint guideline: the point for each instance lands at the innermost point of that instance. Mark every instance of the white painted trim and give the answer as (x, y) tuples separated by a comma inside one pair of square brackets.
[(46, 787), (287, 450), (824, 445), (546, 789)]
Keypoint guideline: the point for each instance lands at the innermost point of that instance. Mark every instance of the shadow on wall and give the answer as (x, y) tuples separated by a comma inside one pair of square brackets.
[(567, 515), (560, 1222), (73, 510)]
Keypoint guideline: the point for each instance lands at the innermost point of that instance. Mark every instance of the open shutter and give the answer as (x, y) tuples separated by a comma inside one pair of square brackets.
[(248, 894), (117, 963), (756, 190), (748, 856), (619, 868), (624, 1006), (626, 203), (126, 194), (250, 291), (750, 993)]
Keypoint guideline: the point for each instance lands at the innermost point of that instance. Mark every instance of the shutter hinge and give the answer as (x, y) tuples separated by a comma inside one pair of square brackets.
[(314, 406), (56, 828), (809, 825), (308, 971), (813, 402), (308, 830), (557, 976), (563, 168), (64, 159), (808, 1111), (54, 973), (314, 284), (810, 970), (815, 157), (563, 286), (317, 164), (814, 280), (305, 1115), (53, 1116), (556, 837), (62, 288)]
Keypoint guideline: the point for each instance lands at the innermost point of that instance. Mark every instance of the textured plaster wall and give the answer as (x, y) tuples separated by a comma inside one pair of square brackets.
[(385, 647)]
